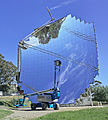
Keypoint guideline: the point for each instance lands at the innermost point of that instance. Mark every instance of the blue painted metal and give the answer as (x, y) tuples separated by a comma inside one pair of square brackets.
[(50, 105), (73, 43), (56, 94), (20, 103)]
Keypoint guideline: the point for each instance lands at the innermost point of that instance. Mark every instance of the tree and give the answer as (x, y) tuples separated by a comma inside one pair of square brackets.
[(100, 93), (5, 88), (7, 71), (48, 32)]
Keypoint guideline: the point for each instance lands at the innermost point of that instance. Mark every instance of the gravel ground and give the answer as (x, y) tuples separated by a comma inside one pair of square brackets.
[(28, 114)]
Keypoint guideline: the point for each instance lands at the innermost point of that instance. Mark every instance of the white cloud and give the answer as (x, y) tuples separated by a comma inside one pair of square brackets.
[(63, 3), (55, 7), (33, 41), (63, 74)]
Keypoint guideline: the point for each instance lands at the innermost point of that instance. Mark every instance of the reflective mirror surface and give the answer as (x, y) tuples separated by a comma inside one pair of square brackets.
[(73, 43)]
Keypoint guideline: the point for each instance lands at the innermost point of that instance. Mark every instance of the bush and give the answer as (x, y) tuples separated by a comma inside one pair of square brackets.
[(100, 93)]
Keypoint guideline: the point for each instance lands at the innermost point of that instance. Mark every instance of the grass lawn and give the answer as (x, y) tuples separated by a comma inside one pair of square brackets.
[(87, 114), (4, 113)]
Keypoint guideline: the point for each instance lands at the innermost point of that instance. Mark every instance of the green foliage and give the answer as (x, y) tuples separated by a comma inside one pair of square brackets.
[(7, 71), (4, 113), (100, 93), (11, 101), (87, 114), (95, 103), (7, 103), (46, 33), (4, 88)]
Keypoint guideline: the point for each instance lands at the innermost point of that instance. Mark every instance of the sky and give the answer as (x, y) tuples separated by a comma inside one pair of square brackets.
[(18, 18)]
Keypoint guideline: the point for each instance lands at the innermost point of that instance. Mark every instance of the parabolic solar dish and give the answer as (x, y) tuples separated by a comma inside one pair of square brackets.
[(69, 40)]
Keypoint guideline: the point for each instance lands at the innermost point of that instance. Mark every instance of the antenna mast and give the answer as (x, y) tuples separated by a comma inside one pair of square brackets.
[(52, 19)]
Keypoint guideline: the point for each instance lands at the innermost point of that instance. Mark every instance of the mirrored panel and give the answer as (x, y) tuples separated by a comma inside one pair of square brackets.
[(69, 40)]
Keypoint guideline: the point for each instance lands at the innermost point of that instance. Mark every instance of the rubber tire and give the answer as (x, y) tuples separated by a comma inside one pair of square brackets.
[(44, 106), (56, 106), (33, 106)]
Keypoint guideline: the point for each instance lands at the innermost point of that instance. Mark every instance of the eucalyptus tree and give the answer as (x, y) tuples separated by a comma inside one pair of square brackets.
[(7, 73)]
